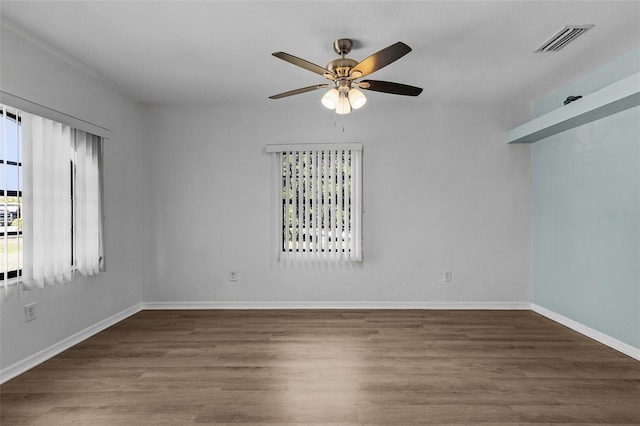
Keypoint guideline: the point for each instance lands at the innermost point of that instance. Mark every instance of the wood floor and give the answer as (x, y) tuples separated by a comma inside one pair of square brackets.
[(329, 368)]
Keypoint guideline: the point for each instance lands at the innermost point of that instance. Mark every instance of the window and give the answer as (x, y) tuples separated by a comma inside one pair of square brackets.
[(11, 194), (51, 185), (317, 201)]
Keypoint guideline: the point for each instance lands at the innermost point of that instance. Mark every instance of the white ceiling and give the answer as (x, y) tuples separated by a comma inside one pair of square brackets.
[(220, 51)]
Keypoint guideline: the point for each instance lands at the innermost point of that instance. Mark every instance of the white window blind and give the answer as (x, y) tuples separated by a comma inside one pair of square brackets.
[(47, 148), (60, 204), (317, 204), (87, 205)]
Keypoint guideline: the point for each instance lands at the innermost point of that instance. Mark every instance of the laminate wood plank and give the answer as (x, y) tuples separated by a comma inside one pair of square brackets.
[(342, 367)]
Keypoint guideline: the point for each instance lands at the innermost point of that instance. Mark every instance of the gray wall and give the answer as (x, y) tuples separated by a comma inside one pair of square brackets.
[(442, 192), (30, 71)]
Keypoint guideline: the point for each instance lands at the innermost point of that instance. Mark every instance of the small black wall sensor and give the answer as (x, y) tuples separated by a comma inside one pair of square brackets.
[(571, 99)]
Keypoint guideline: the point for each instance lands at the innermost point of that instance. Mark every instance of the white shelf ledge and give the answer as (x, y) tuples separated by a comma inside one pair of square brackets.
[(621, 95)]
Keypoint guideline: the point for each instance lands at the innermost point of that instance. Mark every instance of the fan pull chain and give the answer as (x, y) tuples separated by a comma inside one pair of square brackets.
[(335, 121)]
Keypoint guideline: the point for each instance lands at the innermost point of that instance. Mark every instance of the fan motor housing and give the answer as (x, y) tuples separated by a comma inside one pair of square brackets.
[(341, 66)]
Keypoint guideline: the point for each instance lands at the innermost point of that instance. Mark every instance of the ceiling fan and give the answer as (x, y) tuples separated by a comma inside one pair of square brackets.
[(344, 73)]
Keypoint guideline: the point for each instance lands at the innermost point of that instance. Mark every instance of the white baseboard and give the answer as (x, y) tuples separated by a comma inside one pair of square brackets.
[(616, 344), (28, 363), (340, 305)]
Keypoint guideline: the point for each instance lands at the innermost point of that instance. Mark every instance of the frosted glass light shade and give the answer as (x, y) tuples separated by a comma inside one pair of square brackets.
[(357, 98), (343, 106), (330, 99)]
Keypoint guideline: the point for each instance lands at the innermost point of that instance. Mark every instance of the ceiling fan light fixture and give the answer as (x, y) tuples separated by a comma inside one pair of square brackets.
[(343, 106), (357, 98), (345, 95), (330, 99)]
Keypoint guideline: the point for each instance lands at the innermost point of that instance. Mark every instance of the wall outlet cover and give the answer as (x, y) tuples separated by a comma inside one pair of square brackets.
[(30, 312)]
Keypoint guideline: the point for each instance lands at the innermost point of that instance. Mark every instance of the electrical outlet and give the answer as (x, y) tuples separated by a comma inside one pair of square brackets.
[(30, 312), (233, 276), (446, 277)]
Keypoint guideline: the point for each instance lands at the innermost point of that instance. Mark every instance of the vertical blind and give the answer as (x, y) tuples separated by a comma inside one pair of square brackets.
[(47, 148), (61, 202), (317, 201), (87, 204)]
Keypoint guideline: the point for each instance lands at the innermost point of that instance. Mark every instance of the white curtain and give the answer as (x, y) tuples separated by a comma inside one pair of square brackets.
[(317, 201), (62, 234), (47, 151)]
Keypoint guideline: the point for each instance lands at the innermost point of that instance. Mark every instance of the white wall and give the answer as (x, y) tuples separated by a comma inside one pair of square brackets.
[(442, 192), (32, 72)]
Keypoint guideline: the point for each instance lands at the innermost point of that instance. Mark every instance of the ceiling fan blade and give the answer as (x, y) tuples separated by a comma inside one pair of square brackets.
[(305, 64), (298, 91), (380, 59), (390, 87)]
